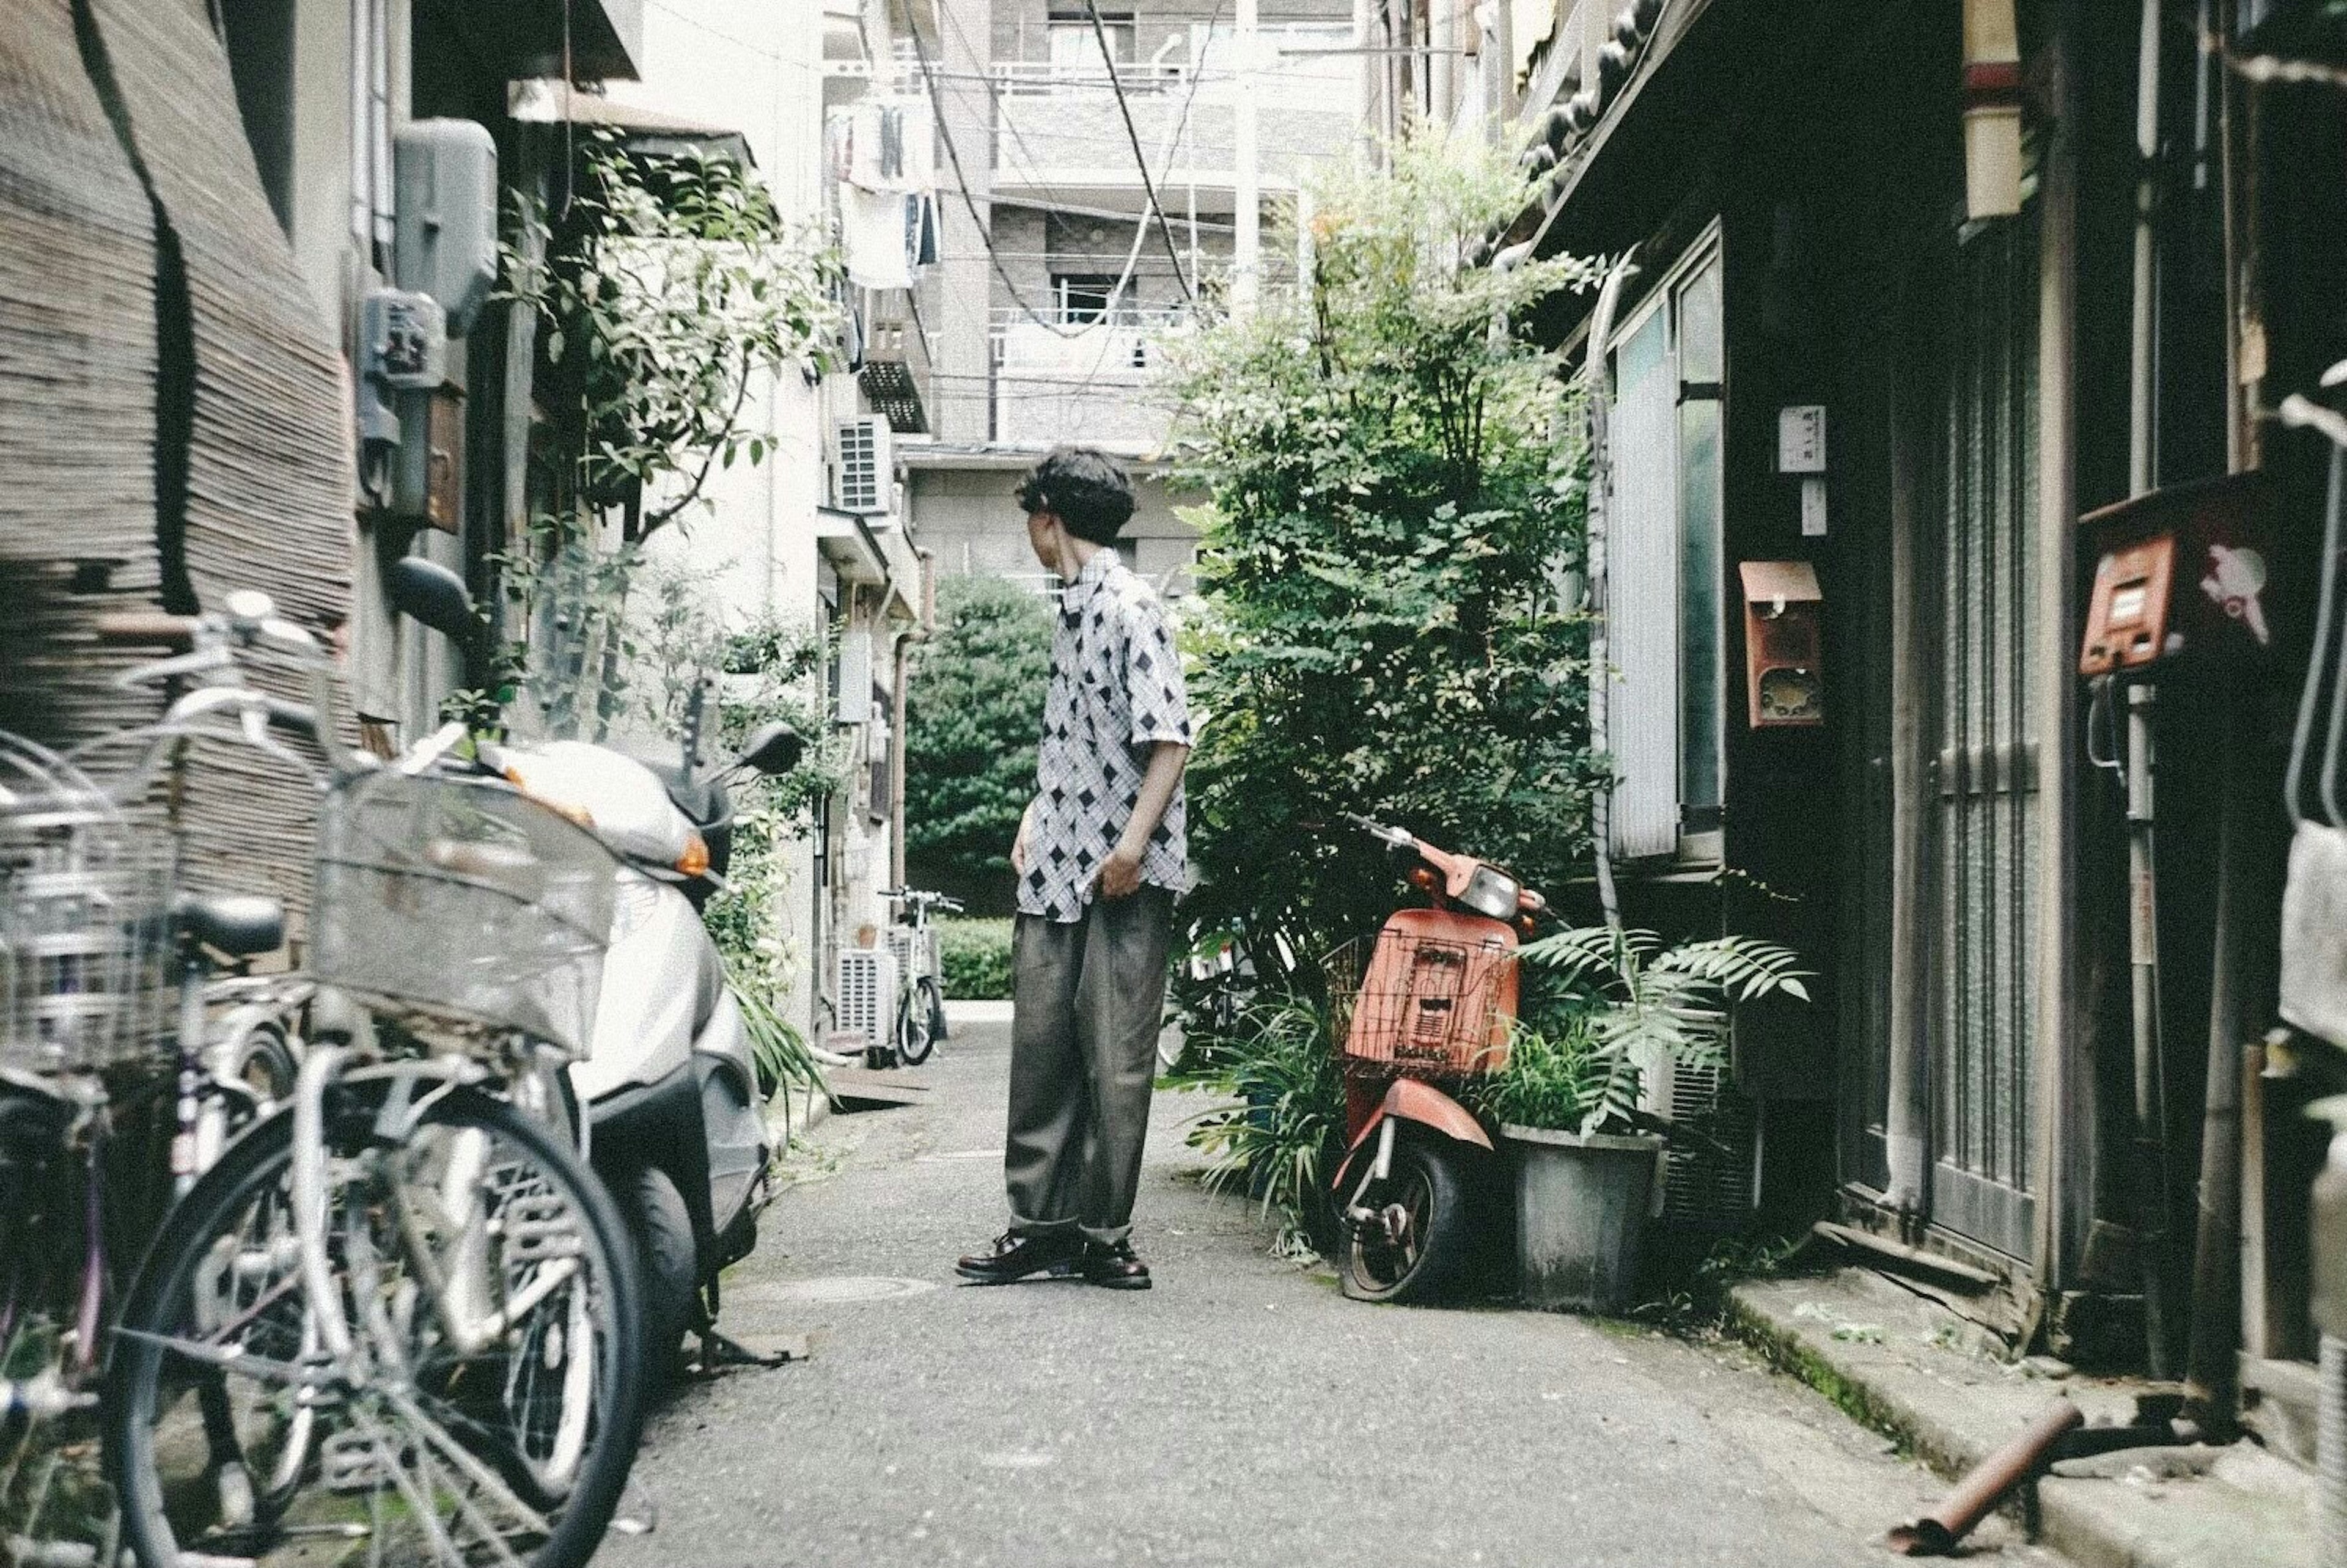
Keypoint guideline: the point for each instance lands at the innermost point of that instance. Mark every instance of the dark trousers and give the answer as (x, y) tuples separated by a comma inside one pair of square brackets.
[(1088, 999)]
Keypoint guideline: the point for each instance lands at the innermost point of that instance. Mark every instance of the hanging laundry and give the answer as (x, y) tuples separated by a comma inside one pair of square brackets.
[(921, 229), (887, 144), (873, 233)]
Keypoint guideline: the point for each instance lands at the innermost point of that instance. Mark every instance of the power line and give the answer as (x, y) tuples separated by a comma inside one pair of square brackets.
[(961, 182), (1139, 158), (993, 91)]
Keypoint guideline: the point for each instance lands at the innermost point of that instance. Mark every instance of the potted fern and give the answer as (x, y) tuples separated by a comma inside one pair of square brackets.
[(1626, 1007)]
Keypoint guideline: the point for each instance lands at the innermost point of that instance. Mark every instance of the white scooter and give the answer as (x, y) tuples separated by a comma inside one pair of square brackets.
[(673, 1109)]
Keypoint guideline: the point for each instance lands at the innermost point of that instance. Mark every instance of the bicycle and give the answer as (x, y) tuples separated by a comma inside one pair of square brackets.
[(919, 1018), (112, 1098), (398, 1310)]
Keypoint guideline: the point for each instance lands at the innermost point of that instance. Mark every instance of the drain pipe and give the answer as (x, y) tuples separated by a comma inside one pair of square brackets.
[(2142, 706), (1599, 383)]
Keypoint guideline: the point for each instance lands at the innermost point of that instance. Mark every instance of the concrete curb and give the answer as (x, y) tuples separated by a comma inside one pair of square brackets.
[(1876, 1351)]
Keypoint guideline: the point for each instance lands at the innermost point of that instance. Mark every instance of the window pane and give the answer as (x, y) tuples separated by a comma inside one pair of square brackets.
[(1642, 593), (1699, 355), (1699, 682)]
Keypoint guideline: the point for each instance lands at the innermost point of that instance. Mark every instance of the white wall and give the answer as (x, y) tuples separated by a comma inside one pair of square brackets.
[(754, 65)]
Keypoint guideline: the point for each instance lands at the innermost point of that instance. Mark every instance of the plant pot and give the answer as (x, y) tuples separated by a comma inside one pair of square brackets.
[(1581, 1214)]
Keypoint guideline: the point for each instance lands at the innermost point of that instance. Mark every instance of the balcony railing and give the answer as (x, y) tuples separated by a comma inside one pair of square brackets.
[(1094, 382), (1029, 77)]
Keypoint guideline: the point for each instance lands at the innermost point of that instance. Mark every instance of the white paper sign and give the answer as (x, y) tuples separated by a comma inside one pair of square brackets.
[(1801, 439), (1813, 508)]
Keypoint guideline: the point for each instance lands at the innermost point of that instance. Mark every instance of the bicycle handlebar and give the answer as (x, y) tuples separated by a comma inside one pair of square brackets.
[(147, 629), (919, 899)]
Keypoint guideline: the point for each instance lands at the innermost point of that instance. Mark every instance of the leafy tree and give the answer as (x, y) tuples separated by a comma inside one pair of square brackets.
[(666, 290), (971, 720), (1395, 494)]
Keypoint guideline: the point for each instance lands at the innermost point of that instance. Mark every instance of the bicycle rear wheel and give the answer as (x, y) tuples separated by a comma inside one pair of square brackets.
[(492, 1402)]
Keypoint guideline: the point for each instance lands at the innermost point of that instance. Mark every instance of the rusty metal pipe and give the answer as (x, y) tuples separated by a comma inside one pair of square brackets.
[(1936, 1533)]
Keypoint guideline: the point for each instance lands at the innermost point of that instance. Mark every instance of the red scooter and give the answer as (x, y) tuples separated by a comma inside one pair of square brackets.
[(1432, 1003)]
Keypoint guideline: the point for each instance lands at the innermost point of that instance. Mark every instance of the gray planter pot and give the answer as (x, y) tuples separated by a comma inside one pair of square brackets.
[(1581, 1214)]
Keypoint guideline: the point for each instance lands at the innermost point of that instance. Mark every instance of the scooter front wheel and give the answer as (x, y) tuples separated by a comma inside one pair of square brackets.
[(1409, 1237)]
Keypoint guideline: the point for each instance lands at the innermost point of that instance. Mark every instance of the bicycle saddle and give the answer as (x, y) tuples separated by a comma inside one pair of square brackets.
[(239, 925)]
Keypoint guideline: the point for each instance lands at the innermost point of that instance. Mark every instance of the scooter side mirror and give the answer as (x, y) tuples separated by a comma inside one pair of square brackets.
[(427, 591), (776, 748)]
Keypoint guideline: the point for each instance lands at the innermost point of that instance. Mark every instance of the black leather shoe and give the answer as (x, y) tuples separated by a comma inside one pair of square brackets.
[(1016, 1257), (1113, 1267)]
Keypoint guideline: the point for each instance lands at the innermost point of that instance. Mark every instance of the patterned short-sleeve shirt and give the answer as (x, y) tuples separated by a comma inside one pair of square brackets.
[(1116, 690)]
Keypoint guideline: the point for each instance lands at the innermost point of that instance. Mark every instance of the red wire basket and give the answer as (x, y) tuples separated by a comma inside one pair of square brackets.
[(1431, 995)]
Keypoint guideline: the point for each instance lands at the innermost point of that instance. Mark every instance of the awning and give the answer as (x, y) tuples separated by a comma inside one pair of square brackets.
[(605, 38), (543, 100)]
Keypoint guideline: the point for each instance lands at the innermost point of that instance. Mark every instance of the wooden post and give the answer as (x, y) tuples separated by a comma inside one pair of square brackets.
[(2062, 1151)]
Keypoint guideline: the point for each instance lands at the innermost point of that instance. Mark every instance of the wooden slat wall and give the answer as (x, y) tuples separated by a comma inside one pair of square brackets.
[(260, 420), (270, 486), (77, 312)]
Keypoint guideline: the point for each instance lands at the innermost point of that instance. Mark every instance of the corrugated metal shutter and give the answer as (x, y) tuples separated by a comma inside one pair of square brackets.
[(1642, 594)]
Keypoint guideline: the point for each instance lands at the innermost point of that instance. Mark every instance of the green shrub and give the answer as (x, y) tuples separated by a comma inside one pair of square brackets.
[(971, 720), (976, 957), (1276, 1066), (1396, 500)]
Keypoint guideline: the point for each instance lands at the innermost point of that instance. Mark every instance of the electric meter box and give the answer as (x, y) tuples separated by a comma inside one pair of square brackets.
[(1783, 644), (2179, 573), (444, 215)]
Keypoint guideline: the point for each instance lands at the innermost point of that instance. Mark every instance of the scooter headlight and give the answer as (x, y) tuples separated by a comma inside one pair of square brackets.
[(1491, 892)]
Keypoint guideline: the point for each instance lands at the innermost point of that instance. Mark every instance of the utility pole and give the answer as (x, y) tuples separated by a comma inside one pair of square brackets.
[(1247, 262)]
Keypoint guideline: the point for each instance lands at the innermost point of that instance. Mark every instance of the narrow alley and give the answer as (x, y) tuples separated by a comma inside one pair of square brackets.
[(1239, 1413)]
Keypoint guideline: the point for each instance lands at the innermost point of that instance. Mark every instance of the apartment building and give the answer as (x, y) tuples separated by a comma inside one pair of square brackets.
[(1089, 178)]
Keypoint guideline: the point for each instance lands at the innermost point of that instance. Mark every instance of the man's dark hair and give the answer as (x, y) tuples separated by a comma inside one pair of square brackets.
[(1082, 488)]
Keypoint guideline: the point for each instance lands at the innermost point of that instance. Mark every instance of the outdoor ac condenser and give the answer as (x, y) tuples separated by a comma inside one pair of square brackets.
[(867, 993), (863, 467), (1705, 1188)]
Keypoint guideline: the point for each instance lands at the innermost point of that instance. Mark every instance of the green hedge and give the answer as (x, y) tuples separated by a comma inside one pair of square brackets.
[(976, 957)]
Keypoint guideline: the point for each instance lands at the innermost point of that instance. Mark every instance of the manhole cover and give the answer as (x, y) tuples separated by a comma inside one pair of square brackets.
[(841, 1288)]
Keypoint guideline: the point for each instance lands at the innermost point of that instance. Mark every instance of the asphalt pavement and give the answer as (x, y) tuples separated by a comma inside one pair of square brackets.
[(1241, 1413)]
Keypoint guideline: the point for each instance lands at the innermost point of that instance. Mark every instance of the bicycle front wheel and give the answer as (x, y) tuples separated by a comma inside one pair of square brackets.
[(492, 1400), (915, 1015)]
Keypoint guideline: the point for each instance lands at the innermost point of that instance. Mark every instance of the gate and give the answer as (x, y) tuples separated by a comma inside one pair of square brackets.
[(1982, 729)]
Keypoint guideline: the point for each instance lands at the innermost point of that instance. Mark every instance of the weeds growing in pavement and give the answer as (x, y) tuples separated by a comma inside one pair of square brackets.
[(1277, 1069)]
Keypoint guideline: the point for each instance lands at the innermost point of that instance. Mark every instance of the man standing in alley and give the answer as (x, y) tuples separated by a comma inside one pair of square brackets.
[(1100, 856)]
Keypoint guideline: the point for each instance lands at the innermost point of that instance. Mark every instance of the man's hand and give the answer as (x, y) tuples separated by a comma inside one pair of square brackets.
[(1119, 874), (1019, 843)]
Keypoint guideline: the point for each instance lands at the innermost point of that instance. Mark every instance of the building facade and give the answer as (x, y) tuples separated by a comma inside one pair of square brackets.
[(1090, 182), (256, 171), (1935, 324)]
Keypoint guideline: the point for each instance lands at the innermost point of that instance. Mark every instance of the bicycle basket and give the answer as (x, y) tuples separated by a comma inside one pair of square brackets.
[(1425, 995), (85, 937), (461, 907)]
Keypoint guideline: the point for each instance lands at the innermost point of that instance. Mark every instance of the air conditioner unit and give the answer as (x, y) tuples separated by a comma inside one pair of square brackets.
[(863, 467), (867, 993), (854, 704), (1704, 1187)]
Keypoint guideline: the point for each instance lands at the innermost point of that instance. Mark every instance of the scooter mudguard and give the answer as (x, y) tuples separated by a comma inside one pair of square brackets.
[(657, 991), (1412, 1100), (735, 1127)]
